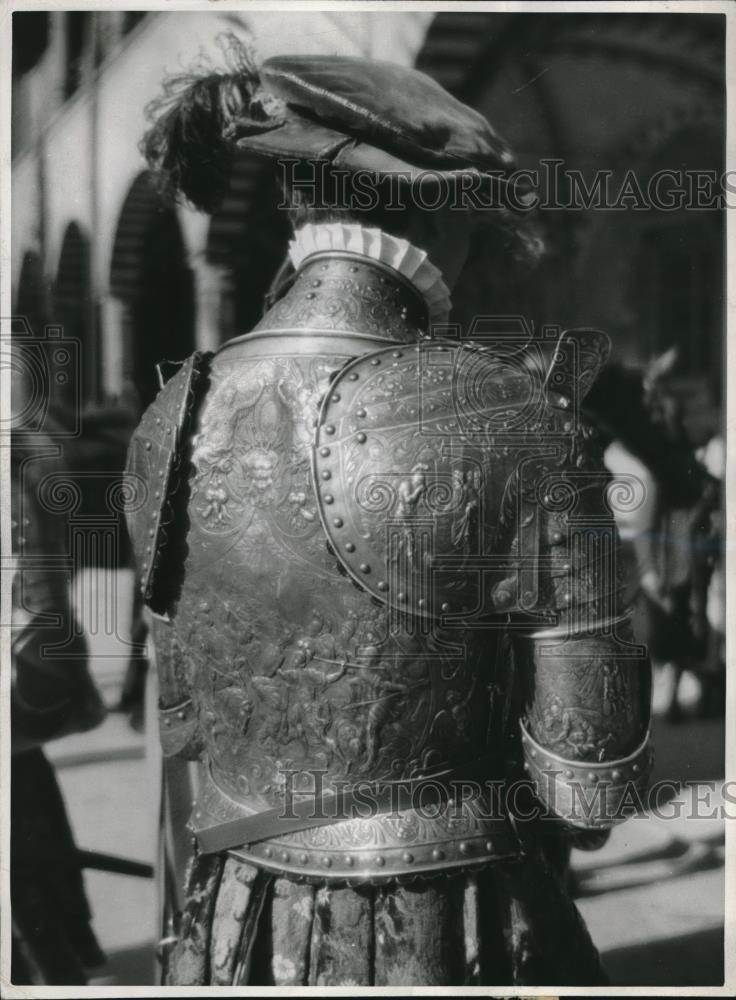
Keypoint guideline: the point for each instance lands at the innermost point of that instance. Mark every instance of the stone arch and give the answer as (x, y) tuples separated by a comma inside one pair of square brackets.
[(31, 296), (73, 306), (605, 91), (152, 286), (246, 244), (31, 376)]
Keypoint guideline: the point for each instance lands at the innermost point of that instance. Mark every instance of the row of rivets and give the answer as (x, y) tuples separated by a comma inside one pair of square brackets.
[(592, 776)]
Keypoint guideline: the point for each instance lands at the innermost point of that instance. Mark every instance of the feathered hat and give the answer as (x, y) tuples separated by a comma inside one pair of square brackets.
[(356, 114)]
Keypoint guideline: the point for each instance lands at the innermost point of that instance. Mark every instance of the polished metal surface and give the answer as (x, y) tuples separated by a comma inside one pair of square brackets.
[(358, 514)]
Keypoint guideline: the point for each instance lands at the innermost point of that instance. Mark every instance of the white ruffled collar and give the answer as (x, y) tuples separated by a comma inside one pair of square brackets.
[(410, 262)]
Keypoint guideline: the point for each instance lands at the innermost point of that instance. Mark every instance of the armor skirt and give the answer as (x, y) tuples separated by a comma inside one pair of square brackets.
[(509, 924)]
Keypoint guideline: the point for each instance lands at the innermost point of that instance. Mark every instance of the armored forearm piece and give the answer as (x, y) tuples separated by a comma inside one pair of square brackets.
[(587, 683)]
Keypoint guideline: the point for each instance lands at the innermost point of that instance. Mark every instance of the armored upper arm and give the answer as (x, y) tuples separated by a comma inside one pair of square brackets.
[(156, 477), (586, 683)]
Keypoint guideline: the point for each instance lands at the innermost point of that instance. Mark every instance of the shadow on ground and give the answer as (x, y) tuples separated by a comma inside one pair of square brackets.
[(688, 960), (128, 967)]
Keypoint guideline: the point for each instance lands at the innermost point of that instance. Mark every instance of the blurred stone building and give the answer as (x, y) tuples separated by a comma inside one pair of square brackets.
[(136, 281)]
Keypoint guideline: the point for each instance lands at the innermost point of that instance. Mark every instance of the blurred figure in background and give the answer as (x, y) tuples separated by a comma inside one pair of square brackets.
[(52, 695), (666, 526)]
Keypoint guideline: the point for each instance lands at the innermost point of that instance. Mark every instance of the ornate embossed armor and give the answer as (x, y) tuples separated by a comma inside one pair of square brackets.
[(384, 571), (369, 515)]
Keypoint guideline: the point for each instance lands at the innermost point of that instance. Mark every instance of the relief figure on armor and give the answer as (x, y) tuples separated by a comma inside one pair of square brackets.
[(373, 598)]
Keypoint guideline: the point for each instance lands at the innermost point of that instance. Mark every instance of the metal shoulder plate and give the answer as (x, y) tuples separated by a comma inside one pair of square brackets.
[(152, 472), (415, 452)]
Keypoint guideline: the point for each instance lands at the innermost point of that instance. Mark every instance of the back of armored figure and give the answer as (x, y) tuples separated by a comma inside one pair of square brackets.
[(383, 567), (375, 554)]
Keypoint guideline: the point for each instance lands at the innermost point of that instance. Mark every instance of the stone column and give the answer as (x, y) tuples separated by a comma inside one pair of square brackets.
[(212, 324), (116, 349)]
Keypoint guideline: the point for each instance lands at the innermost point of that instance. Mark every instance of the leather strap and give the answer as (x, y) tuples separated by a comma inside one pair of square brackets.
[(356, 802)]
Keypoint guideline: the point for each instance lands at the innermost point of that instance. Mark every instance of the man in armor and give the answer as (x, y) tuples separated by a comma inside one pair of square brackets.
[(382, 570)]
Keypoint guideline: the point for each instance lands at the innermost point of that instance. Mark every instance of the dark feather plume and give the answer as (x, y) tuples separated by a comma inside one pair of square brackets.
[(187, 146)]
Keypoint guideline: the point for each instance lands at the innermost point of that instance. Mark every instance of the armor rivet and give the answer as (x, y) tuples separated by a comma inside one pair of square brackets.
[(569, 774), (349, 547), (328, 498), (303, 858), (567, 597), (181, 715), (635, 768), (380, 860), (327, 862), (335, 397), (353, 376), (556, 537), (353, 270), (348, 861), (437, 854), (463, 847), (326, 474), (160, 473), (408, 857), (310, 295), (615, 775), (565, 567), (360, 413), (364, 568), (151, 532), (592, 776), (396, 354), (167, 721), (147, 445), (421, 602), (489, 845), (284, 855), (532, 752), (381, 584), (324, 452), (267, 852), (330, 429), (323, 267), (148, 548), (361, 438), (157, 495), (503, 597), (316, 283), (145, 565), (445, 607), (526, 766), (337, 521), (375, 361), (401, 596)]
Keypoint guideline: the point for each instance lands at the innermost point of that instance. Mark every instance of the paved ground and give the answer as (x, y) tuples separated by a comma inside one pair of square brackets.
[(653, 896)]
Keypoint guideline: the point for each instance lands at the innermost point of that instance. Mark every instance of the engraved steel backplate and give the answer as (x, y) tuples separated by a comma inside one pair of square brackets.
[(414, 452)]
